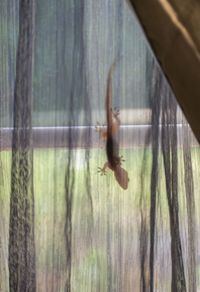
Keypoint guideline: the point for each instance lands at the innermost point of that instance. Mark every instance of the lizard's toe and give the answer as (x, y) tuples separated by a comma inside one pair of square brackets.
[(101, 171)]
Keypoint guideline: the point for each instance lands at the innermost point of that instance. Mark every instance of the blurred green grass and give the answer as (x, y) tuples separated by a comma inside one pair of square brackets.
[(111, 205)]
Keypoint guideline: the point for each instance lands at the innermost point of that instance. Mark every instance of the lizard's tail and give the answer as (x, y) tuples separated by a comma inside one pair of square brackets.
[(108, 101), (112, 67)]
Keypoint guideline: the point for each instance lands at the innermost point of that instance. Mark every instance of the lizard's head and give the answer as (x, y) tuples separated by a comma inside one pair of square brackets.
[(121, 176)]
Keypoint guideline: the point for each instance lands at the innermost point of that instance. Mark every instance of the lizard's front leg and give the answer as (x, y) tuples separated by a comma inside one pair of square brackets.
[(121, 159), (102, 170)]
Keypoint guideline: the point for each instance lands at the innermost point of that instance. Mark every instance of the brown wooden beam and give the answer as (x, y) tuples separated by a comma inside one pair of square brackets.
[(172, 36)]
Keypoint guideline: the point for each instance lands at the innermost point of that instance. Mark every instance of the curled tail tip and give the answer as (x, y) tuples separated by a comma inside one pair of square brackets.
[(116, 60), (112, 68)]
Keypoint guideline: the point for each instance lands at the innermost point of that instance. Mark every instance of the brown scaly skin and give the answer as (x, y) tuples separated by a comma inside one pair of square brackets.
[(109, 134)]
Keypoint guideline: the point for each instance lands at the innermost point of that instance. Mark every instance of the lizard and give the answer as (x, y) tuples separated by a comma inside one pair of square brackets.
[(114, 161)]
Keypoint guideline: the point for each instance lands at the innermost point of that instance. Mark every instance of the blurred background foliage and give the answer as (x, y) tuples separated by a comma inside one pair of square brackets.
[(75, 44)]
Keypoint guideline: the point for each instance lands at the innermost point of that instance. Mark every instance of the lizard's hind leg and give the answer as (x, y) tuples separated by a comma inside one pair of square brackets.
[(115, 112), (101, 129)]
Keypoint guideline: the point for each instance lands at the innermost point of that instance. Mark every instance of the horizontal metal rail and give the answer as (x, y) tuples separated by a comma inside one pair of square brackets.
[(84, 137)]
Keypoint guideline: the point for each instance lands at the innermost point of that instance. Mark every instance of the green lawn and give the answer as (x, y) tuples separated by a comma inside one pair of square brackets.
[(105, 247)]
